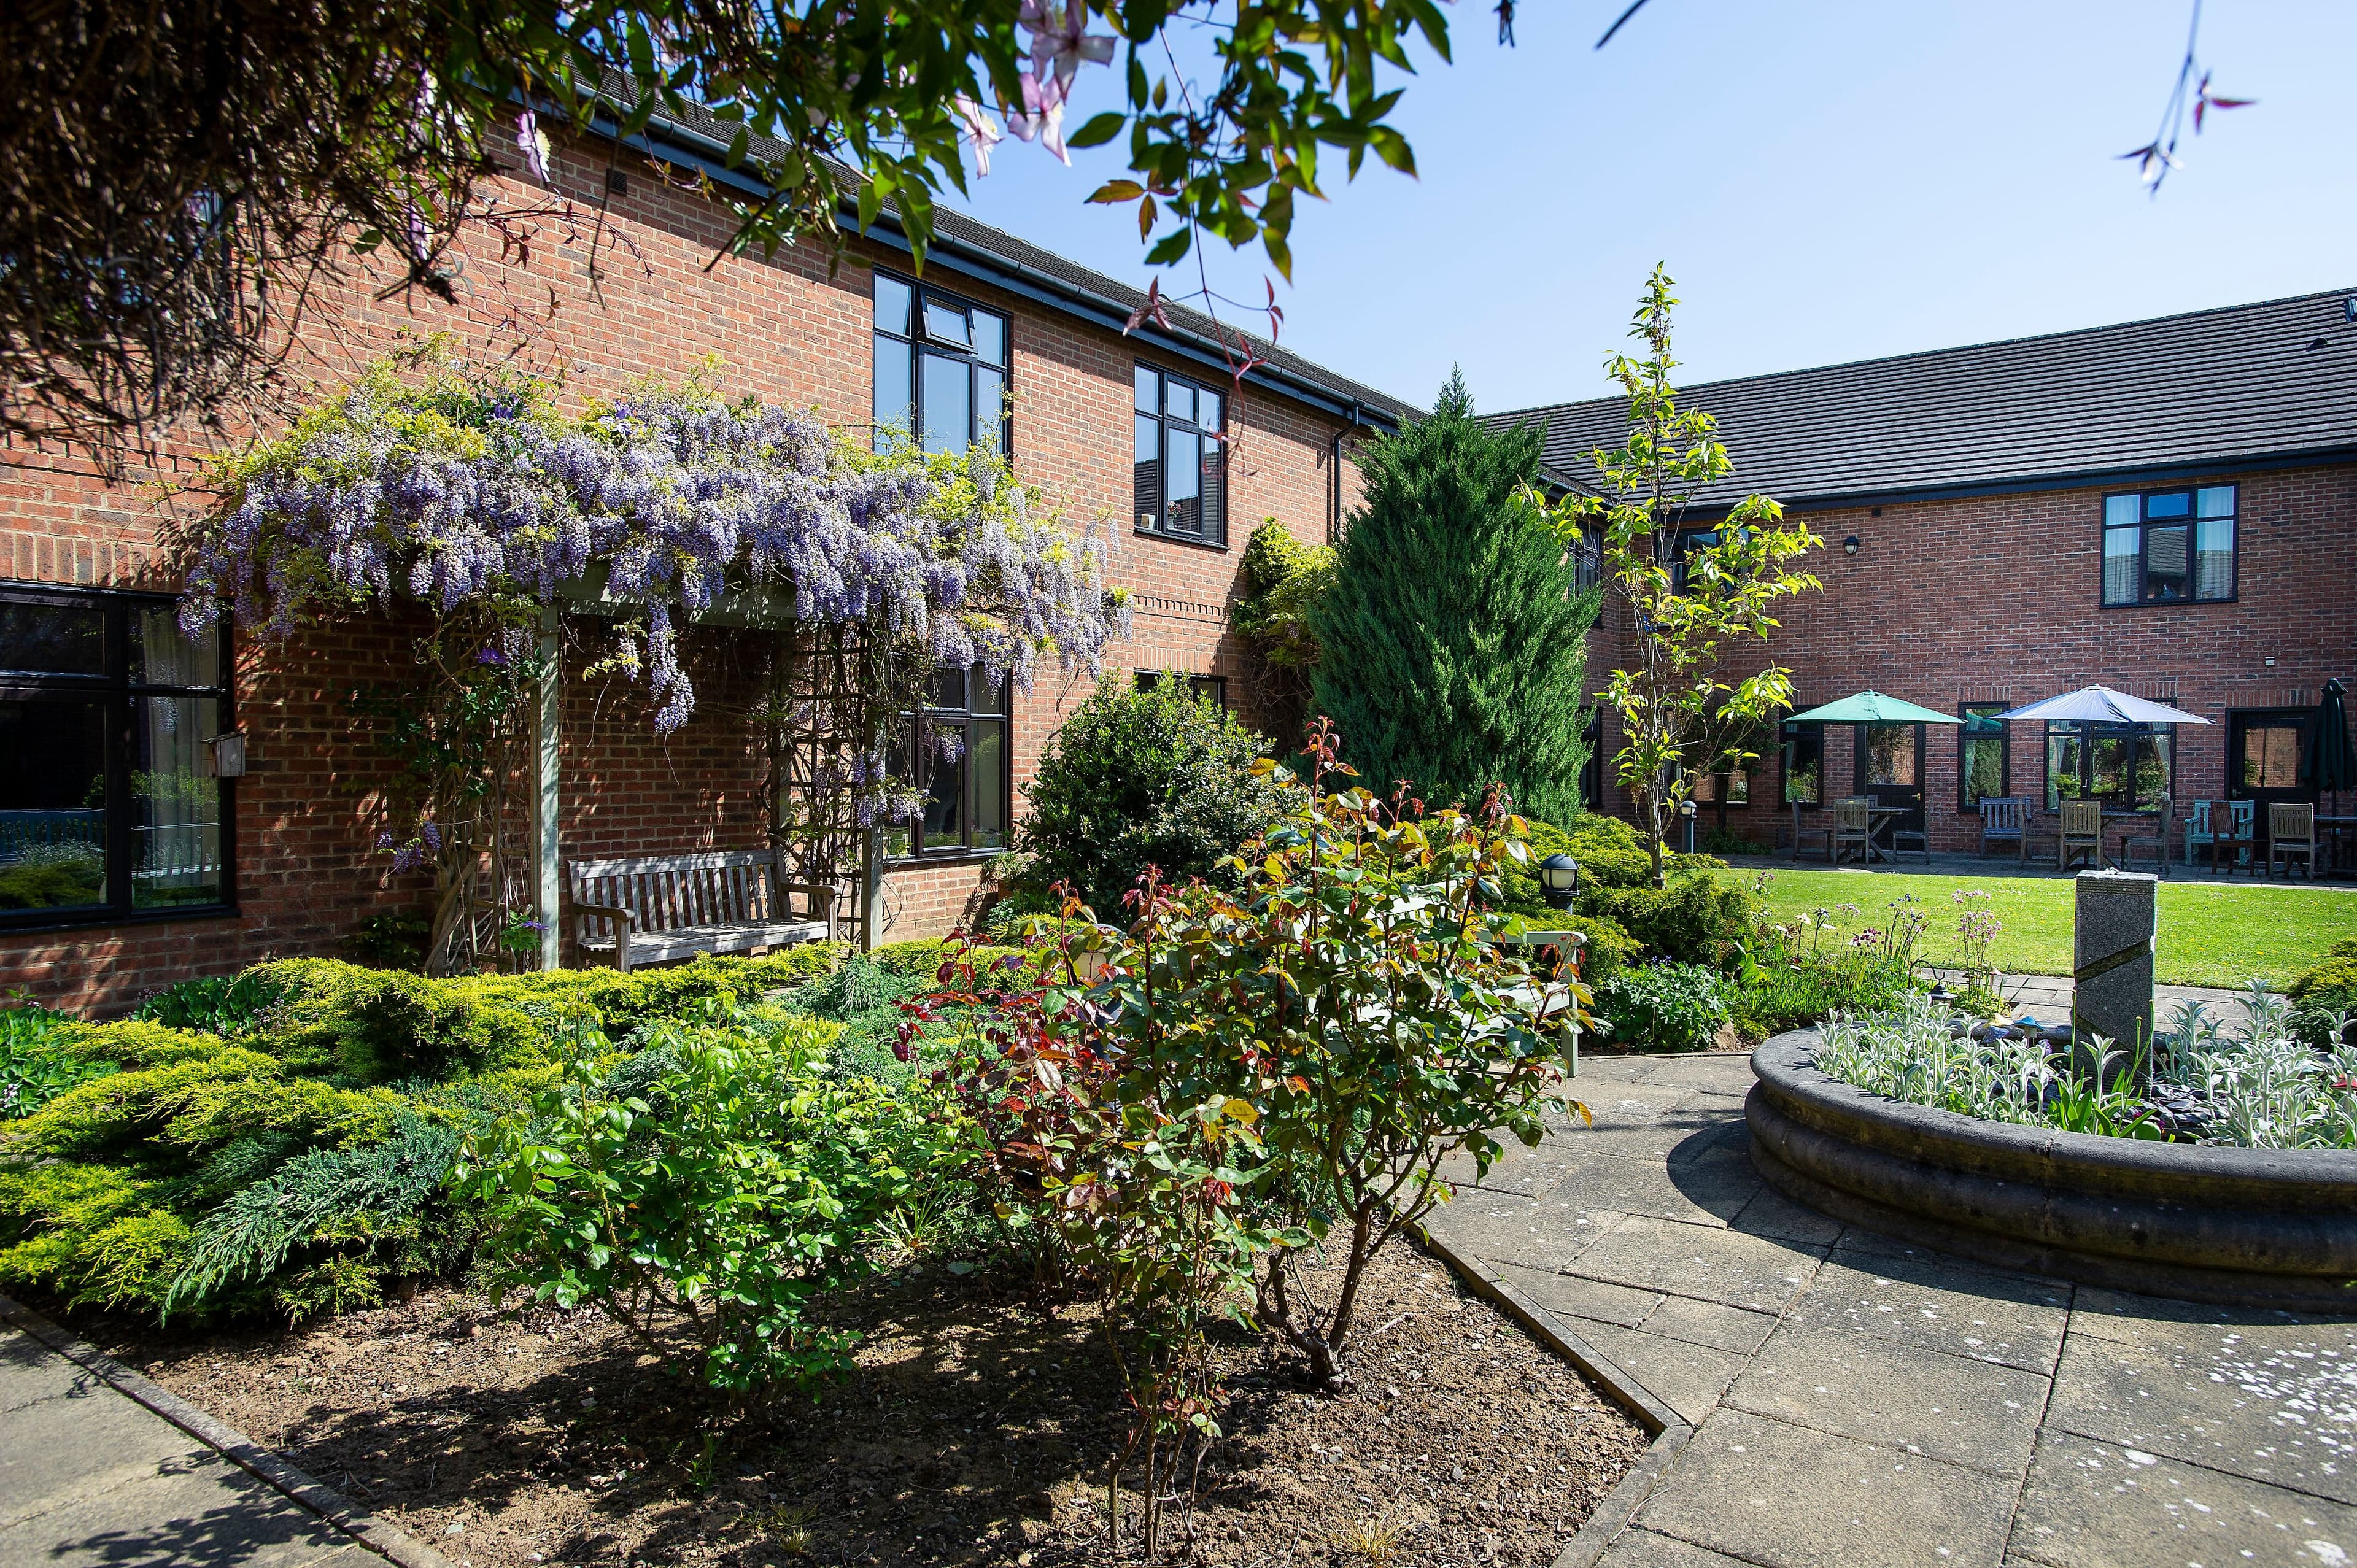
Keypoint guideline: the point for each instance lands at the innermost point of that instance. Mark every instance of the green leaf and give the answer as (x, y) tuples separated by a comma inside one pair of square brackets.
[(1098, 130)]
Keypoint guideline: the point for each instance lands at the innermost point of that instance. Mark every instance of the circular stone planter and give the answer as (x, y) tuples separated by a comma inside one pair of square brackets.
[(2245, 1227)]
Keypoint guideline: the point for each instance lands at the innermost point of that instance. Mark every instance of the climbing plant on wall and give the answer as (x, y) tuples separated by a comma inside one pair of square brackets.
[(471, 494)]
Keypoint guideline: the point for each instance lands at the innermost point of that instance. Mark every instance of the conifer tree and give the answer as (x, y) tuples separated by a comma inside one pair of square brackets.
[(1454, 634)]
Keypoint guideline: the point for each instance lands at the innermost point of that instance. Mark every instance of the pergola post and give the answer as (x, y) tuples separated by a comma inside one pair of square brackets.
[(547, 866)]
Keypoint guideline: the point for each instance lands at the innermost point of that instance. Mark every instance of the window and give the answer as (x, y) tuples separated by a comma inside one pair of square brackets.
[(2127, 767), (1737, 790), (2169, 547), (959, 747), (1212, 689), (1180, 459), (2263, 752), (940, 369), (109, 806), (1981, 761), (1805, 764)]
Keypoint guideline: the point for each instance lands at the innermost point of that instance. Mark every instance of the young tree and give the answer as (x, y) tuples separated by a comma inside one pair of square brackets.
[(1454, 634), (1693, 596)]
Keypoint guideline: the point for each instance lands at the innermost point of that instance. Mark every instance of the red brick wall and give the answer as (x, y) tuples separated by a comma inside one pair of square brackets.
[(781, 327), (1999, 599)]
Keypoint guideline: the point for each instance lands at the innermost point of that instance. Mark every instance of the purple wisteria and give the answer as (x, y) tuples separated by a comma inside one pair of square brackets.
[(455, 499)]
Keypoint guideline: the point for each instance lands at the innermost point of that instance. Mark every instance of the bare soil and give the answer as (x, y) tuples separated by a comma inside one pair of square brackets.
[(976, 1429)]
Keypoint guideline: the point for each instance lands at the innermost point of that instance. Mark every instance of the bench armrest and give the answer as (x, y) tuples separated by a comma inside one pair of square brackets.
[(622, 923), (821, 901)]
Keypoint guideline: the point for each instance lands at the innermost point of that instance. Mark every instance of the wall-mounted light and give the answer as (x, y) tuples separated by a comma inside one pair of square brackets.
[(1849, 545)]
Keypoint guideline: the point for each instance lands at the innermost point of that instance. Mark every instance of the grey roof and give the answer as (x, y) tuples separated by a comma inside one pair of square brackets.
[(964, 244), (2247, 384)]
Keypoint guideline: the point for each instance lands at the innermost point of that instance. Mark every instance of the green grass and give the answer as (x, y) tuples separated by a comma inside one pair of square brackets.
[(2211, 933)]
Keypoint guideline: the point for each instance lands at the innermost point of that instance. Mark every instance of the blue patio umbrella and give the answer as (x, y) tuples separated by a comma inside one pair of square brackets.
[(2331, 759), (2102, 706)]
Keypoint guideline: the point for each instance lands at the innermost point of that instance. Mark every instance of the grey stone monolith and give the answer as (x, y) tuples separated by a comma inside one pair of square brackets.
[(2111, 956)]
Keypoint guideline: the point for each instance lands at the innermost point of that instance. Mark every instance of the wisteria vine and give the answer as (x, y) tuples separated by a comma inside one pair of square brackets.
[(471, 489)]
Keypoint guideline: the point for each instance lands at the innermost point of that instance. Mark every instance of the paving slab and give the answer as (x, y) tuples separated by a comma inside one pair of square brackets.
[(2097, 1505), (2271, 1402), (1785, 1497), (1708, 1188), (1538, 1233), (62, 1447), (1643, 1549), (1688, 1378), (1884, 1390), (1777, 1217), (1940, 1303), (1708, 1323), (200, 1510), (1699, 1260), (1568, 1295)]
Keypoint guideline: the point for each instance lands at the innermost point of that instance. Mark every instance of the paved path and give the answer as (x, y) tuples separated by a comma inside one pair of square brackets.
[(1858, 1402), (90, 1475)]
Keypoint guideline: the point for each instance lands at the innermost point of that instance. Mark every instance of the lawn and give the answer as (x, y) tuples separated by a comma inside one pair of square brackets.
[(2211, 933)]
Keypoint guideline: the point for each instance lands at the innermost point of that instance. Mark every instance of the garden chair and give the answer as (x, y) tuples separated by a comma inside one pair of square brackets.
[(2005, 819), (2151, 837), (1853, 829), (2198, 831), (1915, 840), (2081, 837), (2291, 835), (2221, 824), (1801, 834)]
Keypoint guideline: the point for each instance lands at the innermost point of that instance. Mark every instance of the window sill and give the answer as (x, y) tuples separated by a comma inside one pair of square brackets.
[(30, 922), (2170, 603), (1220, 546), (940, 858)]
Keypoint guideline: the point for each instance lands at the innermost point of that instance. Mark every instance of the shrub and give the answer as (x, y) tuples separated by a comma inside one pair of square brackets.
[(719, 1196), (1666, 1006), (2325, 993), (213, 1005), (1137, 779), (1700, 918), (34, 1070)]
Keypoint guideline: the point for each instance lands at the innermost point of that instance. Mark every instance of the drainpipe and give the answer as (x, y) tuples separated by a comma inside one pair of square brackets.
[(1334, 474)]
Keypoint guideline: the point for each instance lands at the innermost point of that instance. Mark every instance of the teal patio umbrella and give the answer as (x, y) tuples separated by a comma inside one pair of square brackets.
[(1871, 708)]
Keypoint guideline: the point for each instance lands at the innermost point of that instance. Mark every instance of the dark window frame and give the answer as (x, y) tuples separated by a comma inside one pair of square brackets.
[(1802, 739), (2302, 722), (1164, 422), (2088, 732), (968, 718), (122, 695), (918, 343), (2143, 527), (1213, 687), (1966, 735)]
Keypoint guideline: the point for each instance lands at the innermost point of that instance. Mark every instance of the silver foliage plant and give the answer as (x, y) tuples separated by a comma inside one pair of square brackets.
[(462, 489), (2264, 1086)]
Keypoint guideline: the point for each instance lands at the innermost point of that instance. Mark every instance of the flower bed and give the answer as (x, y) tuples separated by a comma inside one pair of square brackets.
[(2251, 1226)]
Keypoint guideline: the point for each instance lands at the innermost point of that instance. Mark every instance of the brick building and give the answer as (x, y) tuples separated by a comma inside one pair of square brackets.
[(2163, 506), (130, 865)]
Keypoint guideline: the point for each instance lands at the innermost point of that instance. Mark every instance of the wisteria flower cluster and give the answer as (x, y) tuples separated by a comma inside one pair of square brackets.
[(463, 490)]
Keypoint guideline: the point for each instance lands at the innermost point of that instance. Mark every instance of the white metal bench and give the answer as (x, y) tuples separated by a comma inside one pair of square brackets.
[(651, 908)]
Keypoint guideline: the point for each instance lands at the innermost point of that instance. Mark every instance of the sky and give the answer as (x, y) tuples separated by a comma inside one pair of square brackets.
[(1827, 180)]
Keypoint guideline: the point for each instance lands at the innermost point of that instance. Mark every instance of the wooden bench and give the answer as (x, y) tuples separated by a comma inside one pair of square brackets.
[(651, 908)]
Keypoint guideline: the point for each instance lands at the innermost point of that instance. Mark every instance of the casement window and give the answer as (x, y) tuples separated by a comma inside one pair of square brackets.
[(1981, 761), (111, 809), (2128, 767), (1805, 764), (1179, 473), (1212, 689), (940, 369), (2169, 547), (2266, 753), (959, 747), (1707, 786)]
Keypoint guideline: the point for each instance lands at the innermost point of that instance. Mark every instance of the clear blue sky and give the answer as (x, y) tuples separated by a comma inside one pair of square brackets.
[(1827, 180)]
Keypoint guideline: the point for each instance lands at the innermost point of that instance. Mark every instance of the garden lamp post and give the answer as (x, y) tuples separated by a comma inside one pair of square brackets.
[(1686, 810), (1559, 879)]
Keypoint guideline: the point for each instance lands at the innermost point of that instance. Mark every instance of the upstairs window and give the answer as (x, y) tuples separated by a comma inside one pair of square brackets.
[(940, 369), (2169, 547), (110, 806), (1181, 458), (1980, 754), (958, 746)]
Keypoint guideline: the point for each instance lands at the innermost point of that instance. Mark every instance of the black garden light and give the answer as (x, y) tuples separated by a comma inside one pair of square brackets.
[(1559, 876)]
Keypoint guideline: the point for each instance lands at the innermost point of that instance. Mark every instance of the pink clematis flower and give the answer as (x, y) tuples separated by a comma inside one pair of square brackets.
[(981, 129), (1043, 117), (1061, 40), (533, 142)]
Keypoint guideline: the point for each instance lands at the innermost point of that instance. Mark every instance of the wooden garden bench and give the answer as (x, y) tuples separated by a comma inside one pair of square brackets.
[(652, 909)]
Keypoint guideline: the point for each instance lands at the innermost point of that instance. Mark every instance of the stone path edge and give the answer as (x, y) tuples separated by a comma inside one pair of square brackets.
[(313, 1496), (1668, 1431)]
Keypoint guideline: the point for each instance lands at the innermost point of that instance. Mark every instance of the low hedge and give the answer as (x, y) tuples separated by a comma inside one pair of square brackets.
[(287, 1156)]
